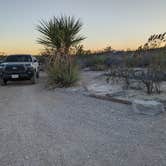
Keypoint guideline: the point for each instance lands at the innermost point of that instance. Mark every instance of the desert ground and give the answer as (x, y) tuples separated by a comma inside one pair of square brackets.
[(41, 127)]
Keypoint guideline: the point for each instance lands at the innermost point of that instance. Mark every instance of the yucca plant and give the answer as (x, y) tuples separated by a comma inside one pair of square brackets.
[(58, 35)]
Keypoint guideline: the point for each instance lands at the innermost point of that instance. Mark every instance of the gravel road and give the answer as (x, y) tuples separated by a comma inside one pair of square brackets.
[(39, 127)]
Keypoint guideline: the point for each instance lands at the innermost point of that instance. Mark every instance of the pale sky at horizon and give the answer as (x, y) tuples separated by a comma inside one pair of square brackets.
[(120, 23)]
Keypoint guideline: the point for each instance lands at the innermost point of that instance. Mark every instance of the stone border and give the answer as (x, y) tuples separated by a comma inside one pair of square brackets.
[(108, 97)]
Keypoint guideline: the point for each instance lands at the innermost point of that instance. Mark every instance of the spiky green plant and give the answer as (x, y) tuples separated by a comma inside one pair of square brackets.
[(60, 33)]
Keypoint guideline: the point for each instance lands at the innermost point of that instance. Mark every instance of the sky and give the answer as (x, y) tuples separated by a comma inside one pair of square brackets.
[(122, 24)]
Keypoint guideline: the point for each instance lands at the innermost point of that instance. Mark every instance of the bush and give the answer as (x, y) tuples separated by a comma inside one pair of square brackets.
[(159, 61), (151, 78), (97, 62), (137, 61), (63, 73), (152, 74)]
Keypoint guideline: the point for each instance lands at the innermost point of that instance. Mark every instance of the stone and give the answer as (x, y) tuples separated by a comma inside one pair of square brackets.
[(102, 89), (98, 89), (147, 107), (136, 85), (27, 157)]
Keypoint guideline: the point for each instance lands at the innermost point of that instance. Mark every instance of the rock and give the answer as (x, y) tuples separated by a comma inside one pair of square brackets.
[(86, 69), (147, 107), (136, 85), (98, 89), (27, 157), (102, 88), (74, 89)]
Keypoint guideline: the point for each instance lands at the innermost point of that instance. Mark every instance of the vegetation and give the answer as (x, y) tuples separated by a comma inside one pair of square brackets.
[(108, 49), (62, 74), (152, 79), (155, 41), (79, 50), (61, 39), (59, 36), (97, 62), (151, 64), (94, 62)]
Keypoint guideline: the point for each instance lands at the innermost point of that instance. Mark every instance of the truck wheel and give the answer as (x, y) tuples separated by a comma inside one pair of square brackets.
[(37, 75), (3, 82), (34, 78)]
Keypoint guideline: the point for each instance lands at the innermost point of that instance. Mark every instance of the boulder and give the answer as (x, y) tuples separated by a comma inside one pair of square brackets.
[(147, 107)]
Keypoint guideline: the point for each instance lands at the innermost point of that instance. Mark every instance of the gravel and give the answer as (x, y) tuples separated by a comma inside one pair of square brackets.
[(39, 127)]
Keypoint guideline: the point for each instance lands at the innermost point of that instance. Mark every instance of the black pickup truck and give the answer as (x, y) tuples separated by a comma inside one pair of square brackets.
[(19, 67)]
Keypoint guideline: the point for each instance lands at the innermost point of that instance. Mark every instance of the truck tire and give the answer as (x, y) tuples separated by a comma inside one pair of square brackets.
[(3, 82), (37, 75), (34, 78)]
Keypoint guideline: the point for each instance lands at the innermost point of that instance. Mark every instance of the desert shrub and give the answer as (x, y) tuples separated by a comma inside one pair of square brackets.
[(137, 61), (159, 61), (131, 61), (119, 74), (155, 73), (155, 58), (148, 69), (82, 60), (151, 78), (97, 62), (63, 73)]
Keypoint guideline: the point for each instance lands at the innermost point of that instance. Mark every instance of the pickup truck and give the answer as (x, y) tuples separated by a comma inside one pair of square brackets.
[(19, 67)]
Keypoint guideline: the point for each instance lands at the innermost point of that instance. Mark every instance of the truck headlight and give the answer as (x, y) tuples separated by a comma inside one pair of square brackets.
[(29, 66)]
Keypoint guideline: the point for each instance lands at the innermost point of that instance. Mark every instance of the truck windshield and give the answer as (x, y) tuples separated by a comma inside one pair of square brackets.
[(19, 58)]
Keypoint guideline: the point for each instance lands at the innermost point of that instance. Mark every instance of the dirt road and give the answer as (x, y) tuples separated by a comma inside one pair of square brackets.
[(57, 128)]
